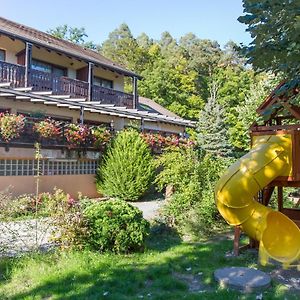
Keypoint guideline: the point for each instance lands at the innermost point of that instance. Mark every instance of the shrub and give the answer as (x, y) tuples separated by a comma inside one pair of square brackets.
[(11, 126), (191, 209), (177, 167), (127, 168), (116, 226)]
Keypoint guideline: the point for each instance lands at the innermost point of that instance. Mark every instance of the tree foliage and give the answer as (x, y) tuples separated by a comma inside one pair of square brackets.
[(275, 29), (212, 131), (127, 167), (73, 34), (180, 74)]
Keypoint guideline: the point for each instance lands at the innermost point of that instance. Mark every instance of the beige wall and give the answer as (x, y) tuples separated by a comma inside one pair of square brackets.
[(29, 153), (164, 127), (118, 80), (72, 184), (11, 47)]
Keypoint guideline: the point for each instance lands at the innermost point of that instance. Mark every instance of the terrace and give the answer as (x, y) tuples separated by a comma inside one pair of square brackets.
[(18, 76)]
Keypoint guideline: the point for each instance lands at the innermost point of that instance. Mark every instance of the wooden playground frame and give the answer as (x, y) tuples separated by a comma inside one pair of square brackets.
[(280, 116)]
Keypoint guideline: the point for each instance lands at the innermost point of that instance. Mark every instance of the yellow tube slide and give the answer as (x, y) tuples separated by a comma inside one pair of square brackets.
[(270, 157)]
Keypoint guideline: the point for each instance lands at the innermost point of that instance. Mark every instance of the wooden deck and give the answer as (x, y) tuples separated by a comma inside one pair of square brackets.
[(43, 81)]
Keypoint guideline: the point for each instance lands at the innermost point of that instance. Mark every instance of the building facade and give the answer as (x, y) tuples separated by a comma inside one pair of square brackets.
[(44, 76)]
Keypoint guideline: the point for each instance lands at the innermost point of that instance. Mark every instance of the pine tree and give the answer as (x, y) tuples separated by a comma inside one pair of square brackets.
[(127, 167), (212, 131)]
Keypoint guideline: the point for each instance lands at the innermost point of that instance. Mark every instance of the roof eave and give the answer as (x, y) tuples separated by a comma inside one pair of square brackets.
[(44, 45)]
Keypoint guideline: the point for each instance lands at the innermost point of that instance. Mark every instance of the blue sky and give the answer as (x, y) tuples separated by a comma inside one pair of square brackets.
[(213, 19)]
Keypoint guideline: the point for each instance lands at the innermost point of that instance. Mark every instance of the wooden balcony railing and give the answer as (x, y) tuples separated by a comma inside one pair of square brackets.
[(109, 96), (43, 81), (12, 73)]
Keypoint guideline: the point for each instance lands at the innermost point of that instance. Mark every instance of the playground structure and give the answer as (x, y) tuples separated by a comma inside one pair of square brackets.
[(245, 190)]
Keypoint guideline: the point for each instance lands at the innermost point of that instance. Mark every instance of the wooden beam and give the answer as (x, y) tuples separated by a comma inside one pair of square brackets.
[(90, 81), (280, 197), (267, 194), (81, 115), (292, 109), (28, 61), (236, 241), (135, 92)]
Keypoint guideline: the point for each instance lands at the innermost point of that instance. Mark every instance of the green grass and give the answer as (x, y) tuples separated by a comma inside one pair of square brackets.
[(159, 273)]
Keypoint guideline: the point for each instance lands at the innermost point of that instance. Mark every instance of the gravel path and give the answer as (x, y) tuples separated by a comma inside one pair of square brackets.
[(23, 236), (150, 209), (18, 237)]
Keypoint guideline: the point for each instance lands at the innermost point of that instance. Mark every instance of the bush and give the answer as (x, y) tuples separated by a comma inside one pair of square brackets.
[(191, 209), (177, 167), (116, 226), (127, 168)]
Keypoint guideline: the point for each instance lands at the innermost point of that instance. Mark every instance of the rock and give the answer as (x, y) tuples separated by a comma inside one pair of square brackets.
[(242, 279)]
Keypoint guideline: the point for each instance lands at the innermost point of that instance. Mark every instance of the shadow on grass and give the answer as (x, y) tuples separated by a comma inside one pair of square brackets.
[(152, 275), (162, 237), (6, 266)]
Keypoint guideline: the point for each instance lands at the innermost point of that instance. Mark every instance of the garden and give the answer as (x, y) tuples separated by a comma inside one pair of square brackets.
[(104, 248), (53, 246)]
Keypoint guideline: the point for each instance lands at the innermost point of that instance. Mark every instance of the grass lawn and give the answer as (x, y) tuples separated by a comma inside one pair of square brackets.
[(168, 269)]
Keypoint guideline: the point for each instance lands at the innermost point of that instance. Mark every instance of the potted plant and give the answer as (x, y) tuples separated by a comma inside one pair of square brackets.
[(11, 126), (101, 136), (76, 134), (47, 128)]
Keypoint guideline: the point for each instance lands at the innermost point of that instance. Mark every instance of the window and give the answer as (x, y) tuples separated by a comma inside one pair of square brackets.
[(2, 54), (4, 110), (103, 82), (48, 68), (28, 167)]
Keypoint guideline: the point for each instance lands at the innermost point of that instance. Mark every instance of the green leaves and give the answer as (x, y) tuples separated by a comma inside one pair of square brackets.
[(116, 226), (127, 167), (274, 27)]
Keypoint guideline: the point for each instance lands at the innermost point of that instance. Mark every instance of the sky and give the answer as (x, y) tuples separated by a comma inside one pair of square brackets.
[(213, 19)]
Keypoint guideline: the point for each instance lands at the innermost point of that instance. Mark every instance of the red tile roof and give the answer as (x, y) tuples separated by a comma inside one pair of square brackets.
[(46, 40)]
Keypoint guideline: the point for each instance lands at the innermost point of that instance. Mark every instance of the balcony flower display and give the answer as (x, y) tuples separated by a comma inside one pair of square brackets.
[(47, 128), (11, 126), (101, 136), (154, 140), (157, 142), (76, 134)]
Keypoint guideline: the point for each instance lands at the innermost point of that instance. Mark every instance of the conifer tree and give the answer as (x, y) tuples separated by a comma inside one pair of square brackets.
[(212, 131), (127, 167)]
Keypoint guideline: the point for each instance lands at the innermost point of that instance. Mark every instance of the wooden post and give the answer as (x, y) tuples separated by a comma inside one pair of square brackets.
[(81, 115), (135, 92), (280, 198), (90, 81), (236, 241), (142, 124), (28, 61)]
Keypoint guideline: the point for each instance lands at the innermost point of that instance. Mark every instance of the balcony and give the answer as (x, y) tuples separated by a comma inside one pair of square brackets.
[(42, 81), (91, 141)]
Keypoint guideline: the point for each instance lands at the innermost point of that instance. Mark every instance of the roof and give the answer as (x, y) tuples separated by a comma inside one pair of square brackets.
[(150, 105), (279, 98), (48, 41), (64, 101)]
